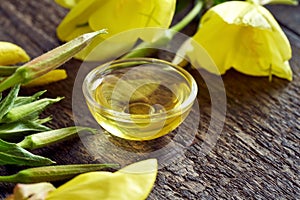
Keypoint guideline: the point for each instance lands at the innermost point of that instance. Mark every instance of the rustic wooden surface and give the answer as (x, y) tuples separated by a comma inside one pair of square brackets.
[(257, 154)]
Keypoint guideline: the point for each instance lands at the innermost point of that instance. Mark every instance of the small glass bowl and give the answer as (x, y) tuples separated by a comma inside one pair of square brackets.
[(139, 98)]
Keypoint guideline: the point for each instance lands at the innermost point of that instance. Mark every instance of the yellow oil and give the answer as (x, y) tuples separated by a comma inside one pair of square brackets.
[(141, 102)]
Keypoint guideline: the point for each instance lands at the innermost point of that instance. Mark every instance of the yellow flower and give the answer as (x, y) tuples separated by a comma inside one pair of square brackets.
[(244, 36), (52, 76), (133, 182), (116, 16), (11, 54)]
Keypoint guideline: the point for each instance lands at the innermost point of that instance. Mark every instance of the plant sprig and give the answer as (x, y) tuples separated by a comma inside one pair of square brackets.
[(19, 118), (54, 173)]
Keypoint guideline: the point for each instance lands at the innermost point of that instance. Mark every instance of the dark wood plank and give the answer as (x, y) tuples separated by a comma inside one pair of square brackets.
[(255, 157), (288, 16)]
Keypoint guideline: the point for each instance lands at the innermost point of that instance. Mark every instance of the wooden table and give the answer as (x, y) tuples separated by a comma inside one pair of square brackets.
[(256, 155)]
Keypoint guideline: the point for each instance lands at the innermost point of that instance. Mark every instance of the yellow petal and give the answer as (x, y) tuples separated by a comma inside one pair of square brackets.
[(67, 3), (121, 15), (50, 77), (11, 54), (79, 31), (133, 182), (240, 13), (77, 18), (107, 49), (246, 37), (192, 52), (117, 16)]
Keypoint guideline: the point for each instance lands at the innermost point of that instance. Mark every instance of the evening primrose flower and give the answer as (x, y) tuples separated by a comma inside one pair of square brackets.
[(244, 36), (116, 16)]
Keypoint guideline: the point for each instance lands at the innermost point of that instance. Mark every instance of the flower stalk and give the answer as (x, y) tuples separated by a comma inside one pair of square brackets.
[(7, 70), (143, 49), (53, 173), (48, 61)]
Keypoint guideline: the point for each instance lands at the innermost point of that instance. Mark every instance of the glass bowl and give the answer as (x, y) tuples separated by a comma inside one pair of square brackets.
[(139, 98)]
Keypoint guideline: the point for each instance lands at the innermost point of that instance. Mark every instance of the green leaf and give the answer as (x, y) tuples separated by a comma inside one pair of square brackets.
[(12, 154), (18, 129), (7, 103), (25, 100), (30, 109), (42, 121)]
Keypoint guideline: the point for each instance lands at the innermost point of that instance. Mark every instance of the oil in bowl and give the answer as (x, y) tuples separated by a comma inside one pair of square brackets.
[(139, 99)]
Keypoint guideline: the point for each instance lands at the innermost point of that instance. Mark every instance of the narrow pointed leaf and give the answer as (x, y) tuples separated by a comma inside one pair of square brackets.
[(33, 108), (16, 130), (42, 121), (24, 100), (7, 103), (12, 154)]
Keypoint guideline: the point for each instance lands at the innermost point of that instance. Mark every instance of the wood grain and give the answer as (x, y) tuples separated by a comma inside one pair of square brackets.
[(256, 155)]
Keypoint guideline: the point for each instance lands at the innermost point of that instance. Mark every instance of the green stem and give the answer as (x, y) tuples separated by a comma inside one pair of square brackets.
[(48, 61), (143, 49), (287, 2), (189, 17), (12, 80), (53, 173), (7, 70), (8, 179)]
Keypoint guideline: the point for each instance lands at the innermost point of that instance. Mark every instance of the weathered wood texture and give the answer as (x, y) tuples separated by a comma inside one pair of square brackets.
[(256, 155)]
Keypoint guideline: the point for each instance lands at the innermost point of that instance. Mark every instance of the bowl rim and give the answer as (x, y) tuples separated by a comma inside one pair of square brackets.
[(122, 116)]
